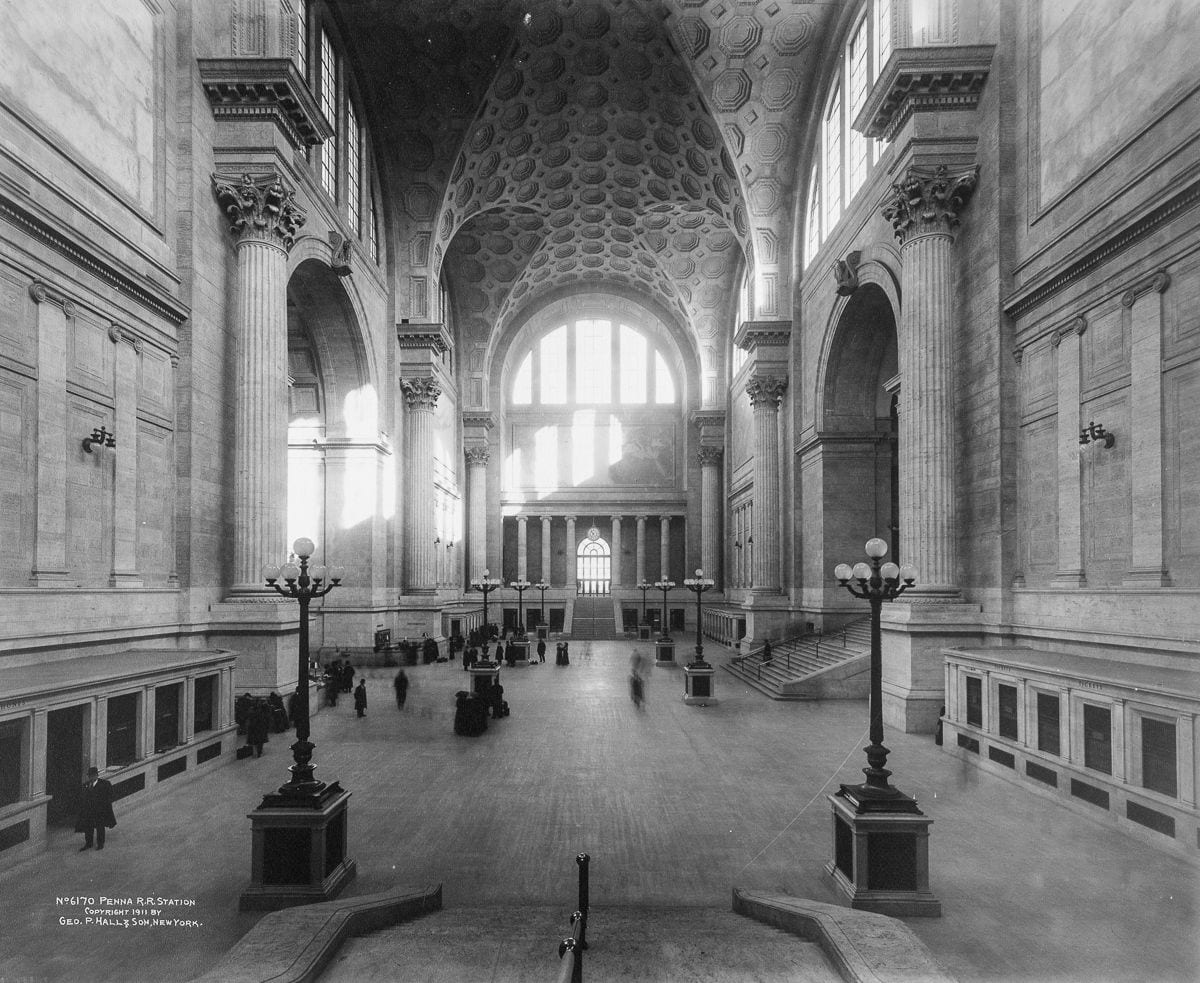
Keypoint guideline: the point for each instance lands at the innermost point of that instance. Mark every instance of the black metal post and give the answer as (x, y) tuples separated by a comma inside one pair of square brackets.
[(584, 861)]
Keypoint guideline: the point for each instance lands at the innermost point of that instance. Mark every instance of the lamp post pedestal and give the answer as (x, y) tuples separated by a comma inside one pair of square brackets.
[(698, 688), (664, 652)]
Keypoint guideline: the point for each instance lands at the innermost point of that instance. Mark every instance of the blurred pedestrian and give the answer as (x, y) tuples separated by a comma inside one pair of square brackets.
[(401, 685), (360, 697)]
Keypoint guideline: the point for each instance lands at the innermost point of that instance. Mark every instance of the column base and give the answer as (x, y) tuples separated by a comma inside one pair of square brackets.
[(1146, 577), (1069, 579)]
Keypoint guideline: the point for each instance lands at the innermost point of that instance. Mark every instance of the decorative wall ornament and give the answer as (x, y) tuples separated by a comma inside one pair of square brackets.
[(928, 200), (1077, 325), (421, 393), (341, 249), (766, 390), (1158, 282), (260, 207), (845, 272)]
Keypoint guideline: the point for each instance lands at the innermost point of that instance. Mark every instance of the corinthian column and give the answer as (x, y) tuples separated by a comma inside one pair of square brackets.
[(572, 548), (477, 462), (664, 547), (710, 510), (924, 213), (766, 393), (545, 577), (263, 218), (420, 396), (641, 549), (616, 551), (522, 547)]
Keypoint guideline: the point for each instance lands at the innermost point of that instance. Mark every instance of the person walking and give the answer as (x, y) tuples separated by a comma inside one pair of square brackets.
[(95, 810), (257, 727), (360, 697), (401, 685), (541, 650)]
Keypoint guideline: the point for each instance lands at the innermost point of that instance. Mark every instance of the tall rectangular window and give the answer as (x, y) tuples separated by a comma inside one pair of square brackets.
[(859, 85), (302, 37), (832, 185), (329, 108), (1006, 711), (354, 139), (121, 739), (883, 33), (553, 374), (634, 366), (166, 716), (1097, 738), (204, 704), (812, 223), (664, 384), (1159, 771), (11, 745), (593, 362), (974, 701), (1048, 732), (373, 230)]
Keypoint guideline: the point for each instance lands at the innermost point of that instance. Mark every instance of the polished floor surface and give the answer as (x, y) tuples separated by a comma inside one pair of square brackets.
[(676, 805)]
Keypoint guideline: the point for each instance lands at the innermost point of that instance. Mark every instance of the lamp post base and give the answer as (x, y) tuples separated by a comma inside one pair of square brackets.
[(698, 679), (664, 652), (881, 856), (299, 849)]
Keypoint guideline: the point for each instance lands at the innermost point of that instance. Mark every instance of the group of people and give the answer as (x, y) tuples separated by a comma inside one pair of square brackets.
[(339, 678)]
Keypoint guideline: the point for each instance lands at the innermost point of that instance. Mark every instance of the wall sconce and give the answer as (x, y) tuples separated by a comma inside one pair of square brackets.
[(450, 544), (436, 540), (101, 438), (749, 540), (1095, 433), (737, 545)]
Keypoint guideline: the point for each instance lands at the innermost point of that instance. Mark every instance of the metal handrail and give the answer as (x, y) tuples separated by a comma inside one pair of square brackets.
[(571, 949)]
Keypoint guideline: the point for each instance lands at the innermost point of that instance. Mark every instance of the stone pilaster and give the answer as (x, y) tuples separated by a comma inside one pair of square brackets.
[(522, 547), (710, 511), (572, 549), (924, 210), (264, 219), (420, 396), (664, 547), (616, 551), (545, 575), (1070, 546), (766, 393), (50, 548), (128, 352), (641, 549)]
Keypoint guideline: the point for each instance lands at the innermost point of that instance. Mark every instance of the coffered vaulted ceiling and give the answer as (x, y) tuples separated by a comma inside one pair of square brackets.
[(648, 146)]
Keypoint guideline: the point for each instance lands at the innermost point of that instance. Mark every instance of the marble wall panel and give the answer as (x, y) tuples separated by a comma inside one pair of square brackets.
[(1181, 474), (17, 477), (155, 505), (1107, 494), (89, 479), (18, 341), (1038, 501)]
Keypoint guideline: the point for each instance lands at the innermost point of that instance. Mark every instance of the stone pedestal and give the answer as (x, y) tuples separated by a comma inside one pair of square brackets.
[(483, 675), (881, 855), (522, 652), (644, 633), (299, 850), (664, 652), (699, 682)]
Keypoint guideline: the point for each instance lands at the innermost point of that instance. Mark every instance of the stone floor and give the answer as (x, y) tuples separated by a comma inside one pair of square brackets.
[(676, 805)]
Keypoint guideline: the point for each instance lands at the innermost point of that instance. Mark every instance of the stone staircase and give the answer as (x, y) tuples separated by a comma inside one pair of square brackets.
[(812, 667), (593, 618)]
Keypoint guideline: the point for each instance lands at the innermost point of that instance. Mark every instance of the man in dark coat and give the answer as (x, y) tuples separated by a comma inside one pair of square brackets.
[(95, 810), (401, 685), (257, 727), (541, 650), (360, 697)]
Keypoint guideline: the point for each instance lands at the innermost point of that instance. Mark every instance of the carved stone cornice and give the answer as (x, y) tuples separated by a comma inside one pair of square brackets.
[(938, 78), (478, 457), (430, 336), (260, 207), (478, 421), (253, 89), (421, 393), (1157, 282), (927, 200), (709, 456), (763, 334), (40, 293), (766, 390)]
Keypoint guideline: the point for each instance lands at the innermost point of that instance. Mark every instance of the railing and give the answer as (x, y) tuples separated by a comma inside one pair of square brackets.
[(571, 949)]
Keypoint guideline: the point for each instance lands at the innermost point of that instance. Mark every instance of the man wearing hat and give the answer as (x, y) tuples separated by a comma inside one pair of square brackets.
[(95, 810)]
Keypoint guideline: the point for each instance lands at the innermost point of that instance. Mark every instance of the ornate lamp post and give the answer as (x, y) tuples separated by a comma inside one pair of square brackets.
[(643, 626), (520, 586), (876, 584), (299, 849), (303, 584), (485, 585), (541, 587), (665, 586), (698, 585)]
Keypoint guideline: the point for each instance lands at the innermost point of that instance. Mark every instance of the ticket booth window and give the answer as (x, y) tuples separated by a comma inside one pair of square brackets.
[(1158, 757), (1097, 738), (166, 716), (122, 729), (204, 715), (1048, 734)]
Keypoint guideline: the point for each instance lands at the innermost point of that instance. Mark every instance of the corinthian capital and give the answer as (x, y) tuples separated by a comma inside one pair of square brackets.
[(260, 207), (478, 456), (928, 200), (766, 390), (421, 392), (710, 456)]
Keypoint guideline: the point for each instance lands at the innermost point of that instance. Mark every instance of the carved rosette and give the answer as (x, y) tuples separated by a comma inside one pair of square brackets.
[(421, 393), (260, 208), (928, 200), (478, 457), (709, 457), (766, 390)]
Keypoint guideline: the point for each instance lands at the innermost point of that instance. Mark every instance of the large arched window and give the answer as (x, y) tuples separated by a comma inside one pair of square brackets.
[(593, 567), (593, 361)]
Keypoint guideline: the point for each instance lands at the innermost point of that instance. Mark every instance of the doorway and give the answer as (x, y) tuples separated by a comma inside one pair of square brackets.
[(66, 763)]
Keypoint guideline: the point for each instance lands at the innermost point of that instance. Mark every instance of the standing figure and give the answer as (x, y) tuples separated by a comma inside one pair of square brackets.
[(360, 697), (566, 653), (766, 650), (95, 810), (541, 650), (401, 685), (257, 727), (347, 677)]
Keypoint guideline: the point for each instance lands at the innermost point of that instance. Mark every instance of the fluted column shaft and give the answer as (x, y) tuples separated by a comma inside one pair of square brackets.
[(545, 574), (641, 549), (710, 510), (765, 393), (477, 462), (616, 551), (522, 547), (664, 547), (571, 550), (924, 213), (420, 395), (264, 217)]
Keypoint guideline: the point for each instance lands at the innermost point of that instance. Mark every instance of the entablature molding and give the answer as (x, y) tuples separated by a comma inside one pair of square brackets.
[(254, 89), (479, 421), (429, 336), (753, 335), (938, 78), (820, 439)]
